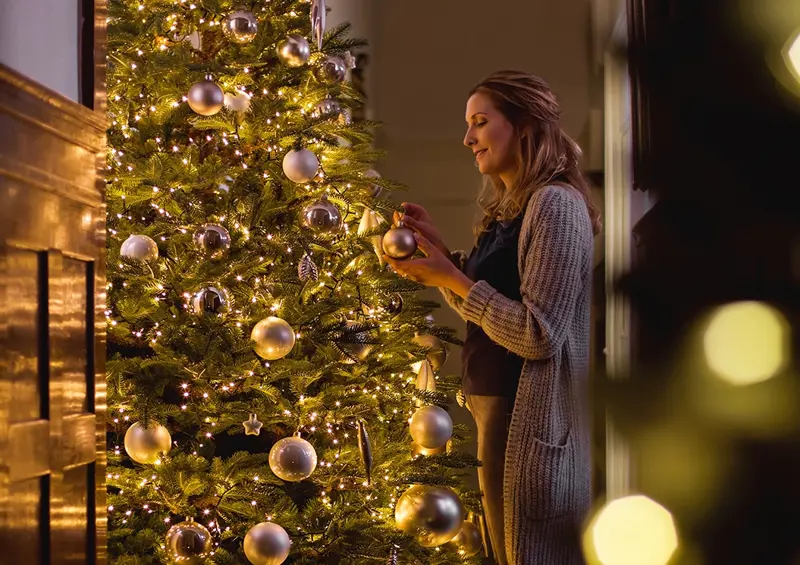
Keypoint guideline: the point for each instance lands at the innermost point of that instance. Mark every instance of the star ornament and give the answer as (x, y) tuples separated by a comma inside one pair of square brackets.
[(252, 427)]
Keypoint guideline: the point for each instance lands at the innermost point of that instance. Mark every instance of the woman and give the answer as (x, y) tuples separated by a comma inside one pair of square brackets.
[(524, 292)]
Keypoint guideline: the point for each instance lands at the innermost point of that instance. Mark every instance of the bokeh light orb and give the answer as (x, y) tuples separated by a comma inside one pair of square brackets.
[(746, 342), (633, 530)]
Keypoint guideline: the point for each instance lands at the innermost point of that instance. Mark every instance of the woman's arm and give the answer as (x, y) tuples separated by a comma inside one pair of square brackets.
[(536, 327)]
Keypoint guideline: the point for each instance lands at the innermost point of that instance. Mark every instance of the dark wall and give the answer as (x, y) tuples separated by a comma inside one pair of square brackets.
[(718, 122)]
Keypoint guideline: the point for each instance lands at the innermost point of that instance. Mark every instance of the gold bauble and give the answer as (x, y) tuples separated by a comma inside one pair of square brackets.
[(274, 338), (433, 515), (145, 445), (292, 459), (206, 98), (431, 427), (267, 544), (188, 543), (399, 243), (469, 541)]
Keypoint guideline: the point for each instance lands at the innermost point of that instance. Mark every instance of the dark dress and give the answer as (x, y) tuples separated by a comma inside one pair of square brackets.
[(489, 369)]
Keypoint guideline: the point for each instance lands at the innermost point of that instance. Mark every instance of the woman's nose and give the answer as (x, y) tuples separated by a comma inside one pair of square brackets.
[(469, 139)]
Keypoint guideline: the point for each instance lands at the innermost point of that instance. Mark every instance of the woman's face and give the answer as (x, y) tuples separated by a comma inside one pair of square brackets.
[(490, 136)]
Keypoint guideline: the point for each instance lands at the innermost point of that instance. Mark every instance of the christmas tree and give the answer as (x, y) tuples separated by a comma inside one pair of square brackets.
[(266, 372)]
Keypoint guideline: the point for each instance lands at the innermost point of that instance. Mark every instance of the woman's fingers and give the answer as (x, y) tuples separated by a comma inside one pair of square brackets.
[(414, 210), (424, 245)]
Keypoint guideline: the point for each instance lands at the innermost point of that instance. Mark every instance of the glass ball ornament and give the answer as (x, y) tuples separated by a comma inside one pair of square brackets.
[(293, 51), (267, 544), (292, 459), (206, 98), (188, 543), (240, 26), (431, 427), (393, 304), (433, 515), (141, 247), (212, 239), (330, 69), (146, 444), (210, 300), (300, 165), (468, 542), (322, 216), (274, 338), (438, 351), (326, 109), (399, 243)]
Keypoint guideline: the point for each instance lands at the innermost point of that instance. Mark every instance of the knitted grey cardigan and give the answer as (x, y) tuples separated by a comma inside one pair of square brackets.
[(547, 478)]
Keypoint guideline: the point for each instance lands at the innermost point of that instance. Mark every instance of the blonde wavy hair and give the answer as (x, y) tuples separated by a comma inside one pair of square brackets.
[(544, 153)]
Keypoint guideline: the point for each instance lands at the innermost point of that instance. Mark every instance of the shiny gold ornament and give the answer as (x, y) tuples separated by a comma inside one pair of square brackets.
[(206, 98), (294, 51), (267, 544), (140, 247), (145, 445), (399, 242), (274, 338), (240, 26), (300, 165), (433, 515), (469, 541), (438, 351), (292, 459), (188, 543), (330, 69), (431, 427)]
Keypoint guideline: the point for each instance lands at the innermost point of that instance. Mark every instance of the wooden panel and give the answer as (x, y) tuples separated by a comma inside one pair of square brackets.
[(52, 322)]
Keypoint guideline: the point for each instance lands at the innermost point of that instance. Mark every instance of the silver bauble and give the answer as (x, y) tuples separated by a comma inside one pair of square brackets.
[(399, 243), (273, 337), (322, 216), (240, 26), (469, 541), (292, 459), (140, 247), (327, 108), (300, 165), (393, 304), (145, 445), (206, 98), (214, 240), (431, 427), (267, 544), (294, 51), (438, 351), (238, 102), (188, 543), (210, 300), (330, 69), (433, 515)]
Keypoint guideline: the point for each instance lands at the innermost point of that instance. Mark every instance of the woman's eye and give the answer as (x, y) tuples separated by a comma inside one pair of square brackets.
[(480, 124)]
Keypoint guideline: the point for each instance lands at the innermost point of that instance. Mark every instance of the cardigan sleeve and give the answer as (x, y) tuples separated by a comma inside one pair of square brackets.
[(453, 300), (554, 261)]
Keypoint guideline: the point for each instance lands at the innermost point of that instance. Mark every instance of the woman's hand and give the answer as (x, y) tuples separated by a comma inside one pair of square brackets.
[(435, 269), (418, 219)]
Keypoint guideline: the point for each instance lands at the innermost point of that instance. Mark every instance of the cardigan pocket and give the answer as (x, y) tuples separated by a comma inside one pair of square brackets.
[(543, 481)]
